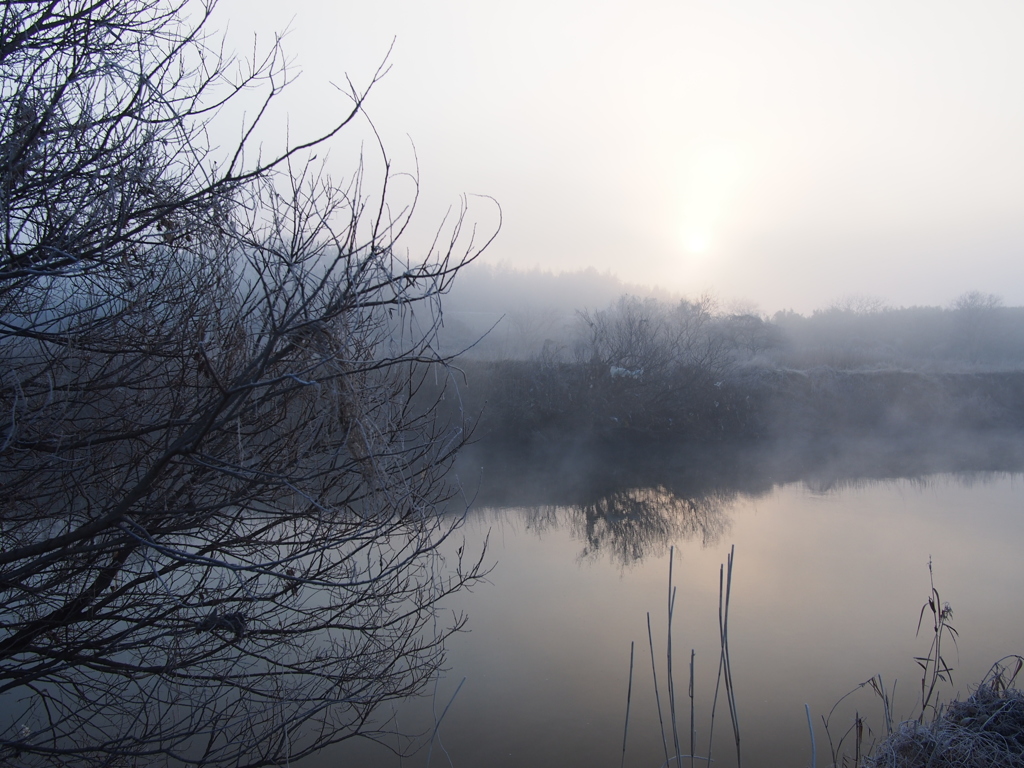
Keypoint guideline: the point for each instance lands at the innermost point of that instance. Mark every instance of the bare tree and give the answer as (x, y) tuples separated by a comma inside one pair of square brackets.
[(858, 304), (975, 322), (222, 528), (647, 335), (655, 360)]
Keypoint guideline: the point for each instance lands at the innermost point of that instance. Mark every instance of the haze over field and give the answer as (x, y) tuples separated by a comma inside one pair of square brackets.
[(786, 154)]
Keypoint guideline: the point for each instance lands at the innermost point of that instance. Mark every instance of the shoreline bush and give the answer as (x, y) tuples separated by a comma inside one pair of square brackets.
[(985, 730)]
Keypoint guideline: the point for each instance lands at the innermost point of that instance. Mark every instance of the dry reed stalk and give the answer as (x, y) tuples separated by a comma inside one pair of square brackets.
[(810, 727), (878, 686), (629, 696), (437, 723), (724, 673), (671, 680), (726, 664), (693, 726), (657, 696), (859, 725), (934, 666)]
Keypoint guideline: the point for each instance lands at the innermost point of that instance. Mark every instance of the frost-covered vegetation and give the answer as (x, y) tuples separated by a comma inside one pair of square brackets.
[(691, 368), (985, 730)]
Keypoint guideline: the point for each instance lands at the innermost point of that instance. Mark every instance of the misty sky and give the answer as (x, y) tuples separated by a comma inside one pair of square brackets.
[(787, 153)]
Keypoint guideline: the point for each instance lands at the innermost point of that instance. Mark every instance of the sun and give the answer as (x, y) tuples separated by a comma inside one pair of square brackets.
[(697, 244), (709, 179)]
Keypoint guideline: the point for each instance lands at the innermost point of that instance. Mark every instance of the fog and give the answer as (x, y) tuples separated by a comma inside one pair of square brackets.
[(785, 154), (500, 313), (622, 283)]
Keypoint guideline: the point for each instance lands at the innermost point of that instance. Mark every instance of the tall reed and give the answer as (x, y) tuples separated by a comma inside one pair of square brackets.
[(934, 670), (657, 697), (629, 697), (671, 680), (933, 665), (724, 675)]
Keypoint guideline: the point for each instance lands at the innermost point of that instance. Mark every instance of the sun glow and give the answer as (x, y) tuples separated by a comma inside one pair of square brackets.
[(697, 243), (709, 181)]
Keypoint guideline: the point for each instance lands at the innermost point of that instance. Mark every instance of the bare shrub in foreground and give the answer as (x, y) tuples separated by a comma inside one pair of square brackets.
[(223, 484)]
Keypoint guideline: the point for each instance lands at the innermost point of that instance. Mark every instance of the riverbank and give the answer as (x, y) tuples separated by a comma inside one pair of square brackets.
[(520, 399), (986, 730)]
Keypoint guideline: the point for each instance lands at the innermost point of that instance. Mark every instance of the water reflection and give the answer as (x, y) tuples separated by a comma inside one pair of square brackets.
[(634, 523), (629, 501), (831, 541)]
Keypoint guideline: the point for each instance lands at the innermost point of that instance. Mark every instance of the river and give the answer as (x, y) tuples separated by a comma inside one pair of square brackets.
[(830, 576)]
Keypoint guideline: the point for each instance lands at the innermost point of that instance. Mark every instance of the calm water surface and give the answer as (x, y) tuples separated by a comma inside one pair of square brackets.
[(830, 575)]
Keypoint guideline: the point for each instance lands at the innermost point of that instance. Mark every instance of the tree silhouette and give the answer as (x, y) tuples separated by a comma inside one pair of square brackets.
[(222, 528)]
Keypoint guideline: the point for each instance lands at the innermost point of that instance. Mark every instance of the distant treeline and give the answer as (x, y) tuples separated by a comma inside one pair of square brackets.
[(500, 314), (976, 331), (682, 368)]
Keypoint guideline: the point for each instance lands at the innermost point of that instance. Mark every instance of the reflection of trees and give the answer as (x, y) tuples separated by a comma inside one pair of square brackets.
[(630, 500), (634, 523)]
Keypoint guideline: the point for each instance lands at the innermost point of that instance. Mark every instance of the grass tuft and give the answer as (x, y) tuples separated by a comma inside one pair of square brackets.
[(986, 730)]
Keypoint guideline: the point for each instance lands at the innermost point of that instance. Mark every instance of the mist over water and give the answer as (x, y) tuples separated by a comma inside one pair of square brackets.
[(840, 452), (284, 414), (832, 544)]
